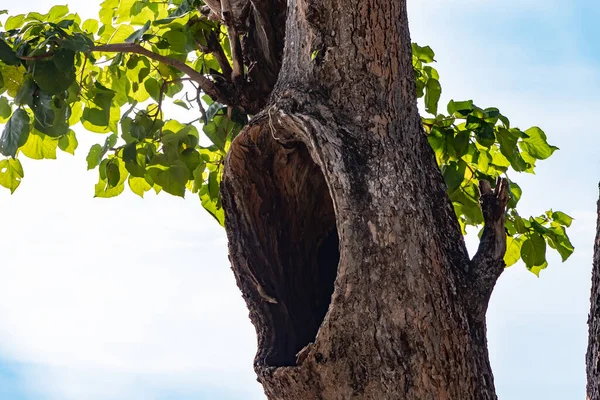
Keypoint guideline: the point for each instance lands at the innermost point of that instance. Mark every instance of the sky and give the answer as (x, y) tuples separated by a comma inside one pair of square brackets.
[(124, 298)]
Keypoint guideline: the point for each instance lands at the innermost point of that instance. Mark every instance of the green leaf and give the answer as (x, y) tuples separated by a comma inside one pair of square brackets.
[(533, 251), (424, 54), (7, 55), (521, 225), (64, 60), (137, 35), (40, 146), (94, 156), (177, 40), (538, 268), (485, 134), (68, 143), (431, 72), (454, 174), (56, 13), (211, 205), (460, 108), (139, 185), (171, 179), (216, 131), (15, 133), (513, 250), (50, 78), (90, 26), (122, 32), (113, 175), (14, 22), (103, 190), (562, 218), (508, 147), (515, 194), (96, 120), (5, 108), (51, 115), (153, 88), (213, 110), (11, 173), (24, 95), (558, 240), (77, 42), (536, 145), (130, 153), (181, 103), (433, 91), (461, 143)]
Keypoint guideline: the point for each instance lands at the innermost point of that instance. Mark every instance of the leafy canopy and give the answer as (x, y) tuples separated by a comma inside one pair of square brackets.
[(113, 76)]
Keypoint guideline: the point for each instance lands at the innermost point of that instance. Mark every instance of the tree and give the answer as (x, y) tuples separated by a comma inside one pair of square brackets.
[(344, 208), (592, 359)]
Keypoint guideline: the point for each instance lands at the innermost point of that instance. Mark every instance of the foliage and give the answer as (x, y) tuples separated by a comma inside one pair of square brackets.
[(55, 72), (473, 143), (113, 75)]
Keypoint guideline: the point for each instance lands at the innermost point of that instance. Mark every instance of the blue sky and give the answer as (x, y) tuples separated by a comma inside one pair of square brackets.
[(90, 310)]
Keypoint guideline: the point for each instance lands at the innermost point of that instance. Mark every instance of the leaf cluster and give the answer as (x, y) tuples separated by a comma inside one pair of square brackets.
[(472, 143), (57, 71)]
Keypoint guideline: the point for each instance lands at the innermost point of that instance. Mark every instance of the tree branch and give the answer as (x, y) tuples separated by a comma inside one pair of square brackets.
[(214, 47), (206, 85), (488, 263), (234, 41)]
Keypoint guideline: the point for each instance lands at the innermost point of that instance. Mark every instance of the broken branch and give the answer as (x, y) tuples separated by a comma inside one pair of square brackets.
[(488, 263)]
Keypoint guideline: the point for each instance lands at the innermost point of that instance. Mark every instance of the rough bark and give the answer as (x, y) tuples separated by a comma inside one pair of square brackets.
[(341, 236), (592, 359)]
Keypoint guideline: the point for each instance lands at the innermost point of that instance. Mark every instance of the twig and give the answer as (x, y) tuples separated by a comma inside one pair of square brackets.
[(205, 84), (214, 47), (200, 106)]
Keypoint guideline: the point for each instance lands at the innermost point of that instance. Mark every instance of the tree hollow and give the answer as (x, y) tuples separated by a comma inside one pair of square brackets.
[(286, 233)]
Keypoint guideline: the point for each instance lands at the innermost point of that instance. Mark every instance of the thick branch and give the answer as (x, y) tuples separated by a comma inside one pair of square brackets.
[(234, 41), (488, 263), (205, 84)]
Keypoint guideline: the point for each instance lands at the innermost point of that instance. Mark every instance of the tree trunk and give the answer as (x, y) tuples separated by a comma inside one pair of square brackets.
[(341, 235), (592, 359)]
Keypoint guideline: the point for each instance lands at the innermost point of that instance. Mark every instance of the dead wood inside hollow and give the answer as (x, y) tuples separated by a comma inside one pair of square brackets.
[(281, 221)]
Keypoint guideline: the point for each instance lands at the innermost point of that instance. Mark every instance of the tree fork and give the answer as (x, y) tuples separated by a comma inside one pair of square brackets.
[(341, 236)]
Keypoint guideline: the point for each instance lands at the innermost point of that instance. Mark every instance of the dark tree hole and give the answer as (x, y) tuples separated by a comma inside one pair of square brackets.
[(282, 232), (307, 254)]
